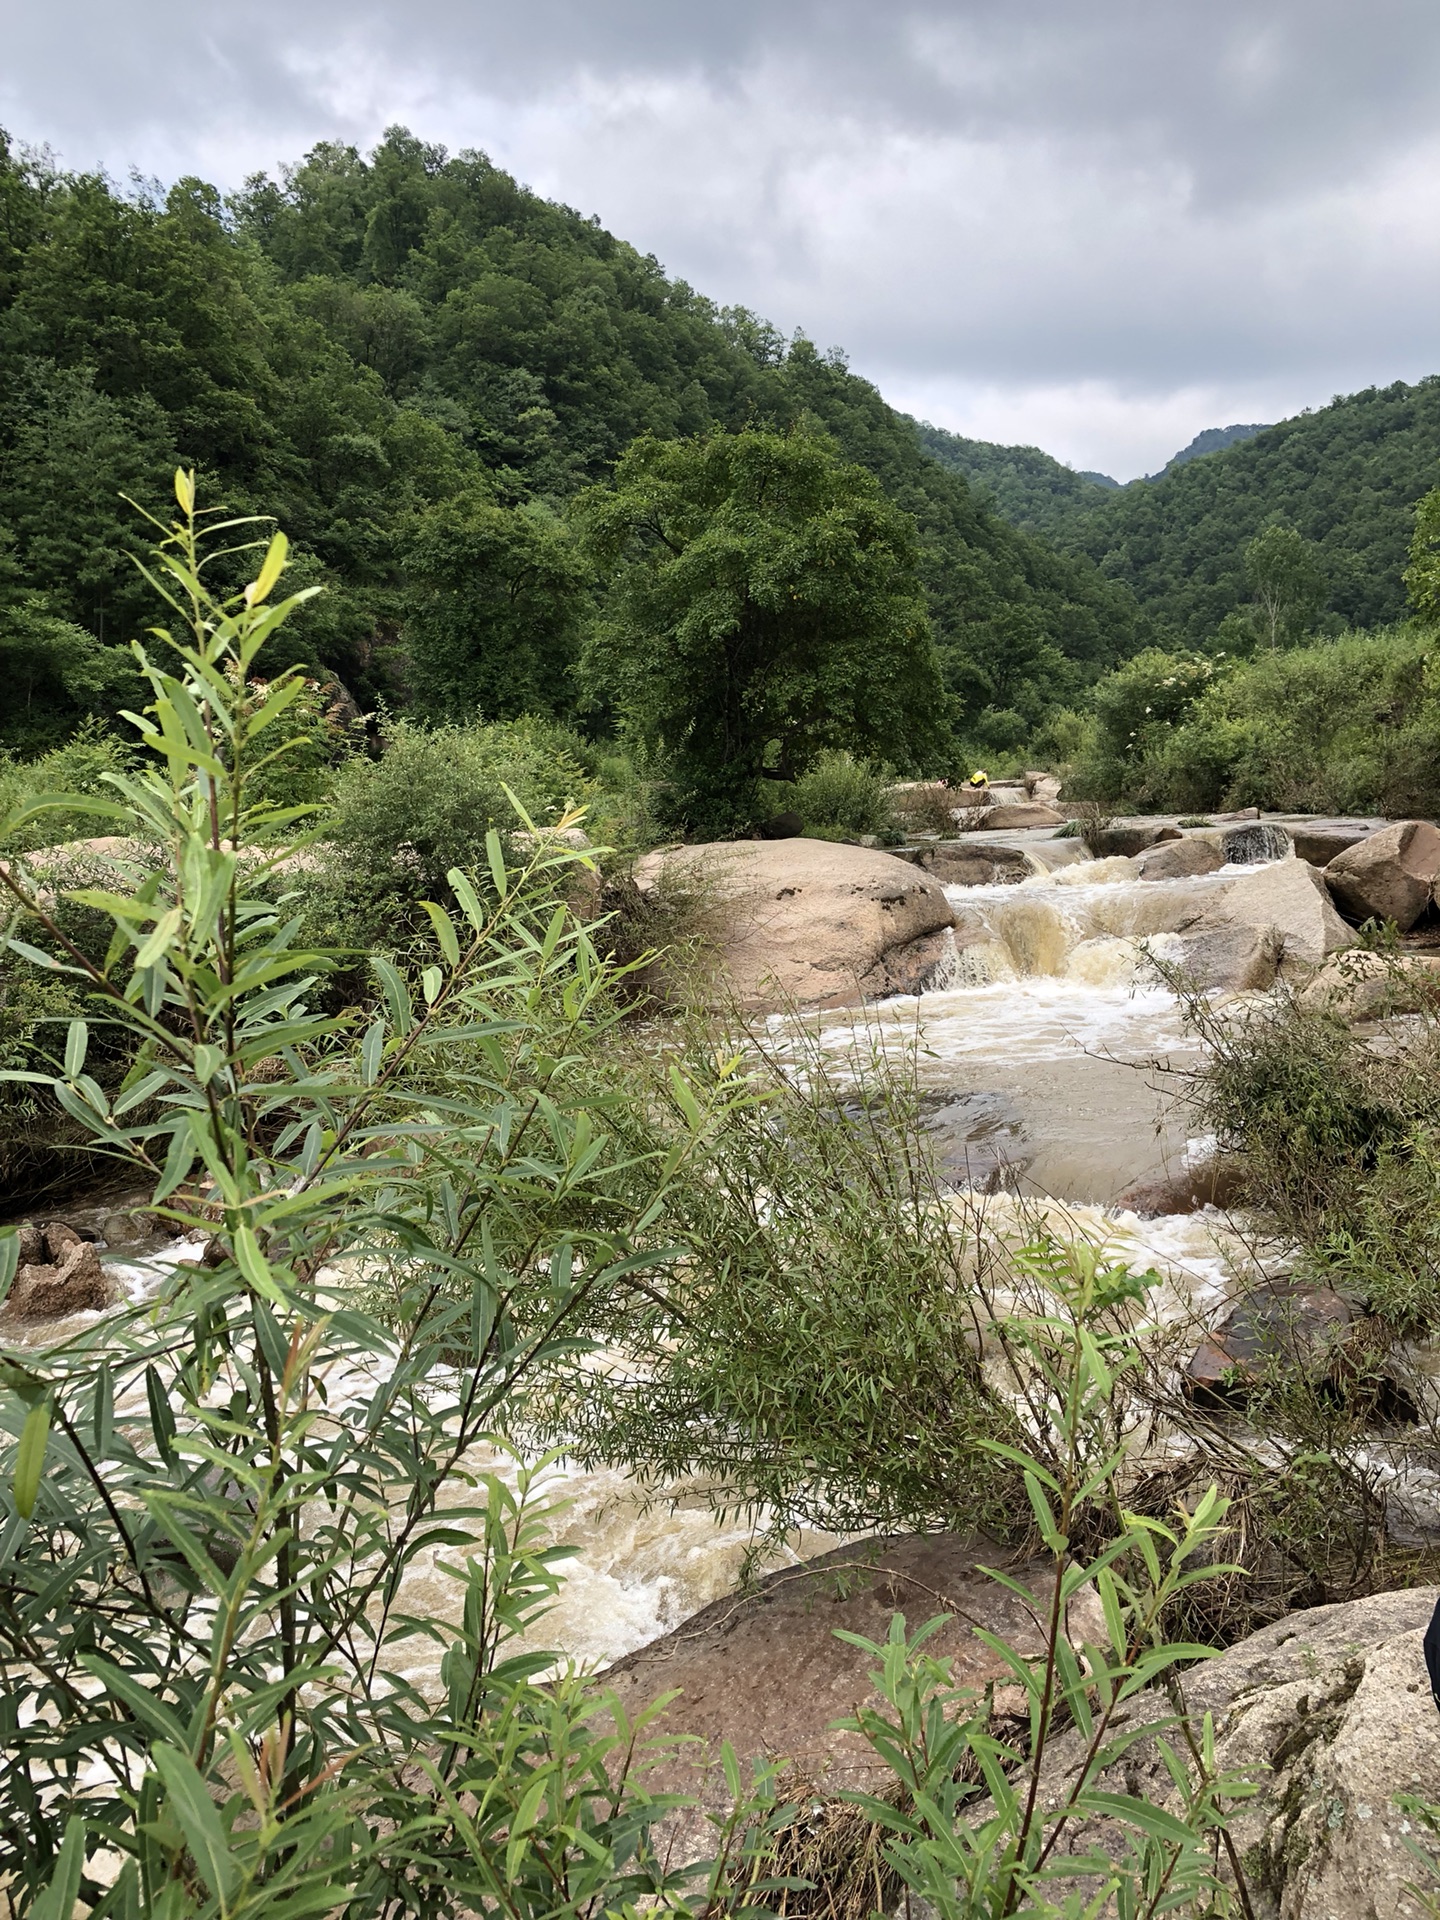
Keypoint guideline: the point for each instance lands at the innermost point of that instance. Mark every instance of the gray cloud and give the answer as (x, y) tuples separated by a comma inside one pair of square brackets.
[(1098, 228)]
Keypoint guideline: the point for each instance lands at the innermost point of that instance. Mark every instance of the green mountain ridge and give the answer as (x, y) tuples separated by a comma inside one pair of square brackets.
[(368, 337), (1348, 476)]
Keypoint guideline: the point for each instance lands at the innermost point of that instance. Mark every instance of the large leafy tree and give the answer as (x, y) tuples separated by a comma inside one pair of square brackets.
[(495, 598), (765, 603)]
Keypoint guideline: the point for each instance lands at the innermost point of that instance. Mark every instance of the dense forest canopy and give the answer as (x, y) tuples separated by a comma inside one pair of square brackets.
[(1347, 477), (391, 354)]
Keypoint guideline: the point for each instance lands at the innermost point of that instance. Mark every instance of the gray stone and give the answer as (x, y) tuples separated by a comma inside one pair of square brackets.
[(1329, 1713)]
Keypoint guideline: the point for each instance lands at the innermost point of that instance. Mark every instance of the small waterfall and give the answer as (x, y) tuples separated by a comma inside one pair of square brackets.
[(1094, 922)]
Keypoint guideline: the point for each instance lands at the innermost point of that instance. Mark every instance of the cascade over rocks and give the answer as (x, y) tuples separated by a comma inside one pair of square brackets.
[(812, 923), (1389, 876)]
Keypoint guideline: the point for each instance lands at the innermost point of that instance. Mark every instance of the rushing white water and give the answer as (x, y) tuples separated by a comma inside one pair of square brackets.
[(1047, 1056)]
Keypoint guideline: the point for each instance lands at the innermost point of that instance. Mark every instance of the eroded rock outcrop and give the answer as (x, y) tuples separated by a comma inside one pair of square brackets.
[(1180, 859), (810, 923), (59, 1274)]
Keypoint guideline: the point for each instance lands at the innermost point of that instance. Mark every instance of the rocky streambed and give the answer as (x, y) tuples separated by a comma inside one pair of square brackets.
[(1018, 967)]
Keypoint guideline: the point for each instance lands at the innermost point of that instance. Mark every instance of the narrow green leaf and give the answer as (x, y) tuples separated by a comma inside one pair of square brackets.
[(30, 1458), (496, 859), (444, 931), (9, 1258), (467, 896), (57, 1902), (372, 1052), (189, 1800), (77, 1041)]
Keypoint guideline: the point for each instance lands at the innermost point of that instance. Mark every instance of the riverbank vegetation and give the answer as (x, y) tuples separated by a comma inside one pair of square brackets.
[(409, 1219)]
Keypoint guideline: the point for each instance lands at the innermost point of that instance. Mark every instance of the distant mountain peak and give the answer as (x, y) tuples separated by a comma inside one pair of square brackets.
[(1212, 440), (1100, 479)]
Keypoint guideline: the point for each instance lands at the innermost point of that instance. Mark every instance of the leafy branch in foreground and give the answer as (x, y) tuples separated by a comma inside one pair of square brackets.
[(208, 1664), (984, 1828)]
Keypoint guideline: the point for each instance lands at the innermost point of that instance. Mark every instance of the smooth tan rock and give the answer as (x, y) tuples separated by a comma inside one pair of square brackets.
[(1179, 859), (1329, 1712), (811, 923), (1370, 986), (1389, 876), (1290, 897), (1012, 816)]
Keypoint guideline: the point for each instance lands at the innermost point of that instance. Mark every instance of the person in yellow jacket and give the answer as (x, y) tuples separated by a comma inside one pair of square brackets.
[(978, 779)]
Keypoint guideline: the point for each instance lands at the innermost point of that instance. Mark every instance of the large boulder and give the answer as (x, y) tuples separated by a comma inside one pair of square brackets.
[(1224, 959), (765, 1673), (1128, 837), (1320, 841), (1010, 816), (1389, 876), (1329, 1713), (810, 923), (1291, 897), (1180, 859)]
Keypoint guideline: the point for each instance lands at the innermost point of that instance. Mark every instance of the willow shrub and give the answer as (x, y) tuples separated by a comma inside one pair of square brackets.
[(215, 1496)]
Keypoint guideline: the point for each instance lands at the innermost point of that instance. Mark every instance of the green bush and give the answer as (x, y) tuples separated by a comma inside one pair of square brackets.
[(843, 796), (79, 766), (1345, 725), (399, 824)]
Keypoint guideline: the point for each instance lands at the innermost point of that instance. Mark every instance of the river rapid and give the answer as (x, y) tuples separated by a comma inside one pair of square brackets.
[(1048, 1057)]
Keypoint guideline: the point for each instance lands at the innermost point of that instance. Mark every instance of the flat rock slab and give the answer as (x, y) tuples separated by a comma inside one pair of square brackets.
[(766, 1673)]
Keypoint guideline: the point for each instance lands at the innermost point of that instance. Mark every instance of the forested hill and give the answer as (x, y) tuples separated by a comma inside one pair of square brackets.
[(370, 337), (1033, 490), (1347, 476)]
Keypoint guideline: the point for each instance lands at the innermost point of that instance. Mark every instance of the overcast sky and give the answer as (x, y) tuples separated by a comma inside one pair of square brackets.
[(1096, 226)]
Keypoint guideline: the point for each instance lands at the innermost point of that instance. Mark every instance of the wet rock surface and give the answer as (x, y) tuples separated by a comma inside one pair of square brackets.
[(1278, 1325), (961, 863), (1210, 1183)]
